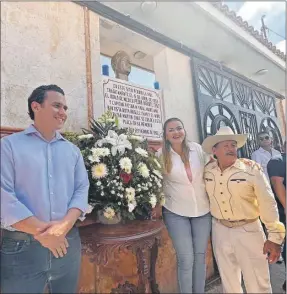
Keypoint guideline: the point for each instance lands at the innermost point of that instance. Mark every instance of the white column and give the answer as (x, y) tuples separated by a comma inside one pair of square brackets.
[(173, 72)]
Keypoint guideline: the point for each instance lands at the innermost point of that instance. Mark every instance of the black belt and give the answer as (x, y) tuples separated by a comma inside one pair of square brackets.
[(16, 235)]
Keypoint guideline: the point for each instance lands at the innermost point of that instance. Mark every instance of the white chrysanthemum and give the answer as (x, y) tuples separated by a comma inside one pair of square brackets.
[(96, 154), (136, 138), (157, 163), (143, 170), (109, 213), (132, 206), (100, 152), (83, 137), (130, 194), (93, 158), (97, 151), (157, 173), (126, 164), (141, 152), (106, 152), (153, 201), (99, 171)]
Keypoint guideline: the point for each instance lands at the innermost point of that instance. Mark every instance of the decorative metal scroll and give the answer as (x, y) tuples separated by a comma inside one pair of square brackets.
[(226, 99), (264, 103), (248, 126), (243, 96), (214, 85), (217, 116)]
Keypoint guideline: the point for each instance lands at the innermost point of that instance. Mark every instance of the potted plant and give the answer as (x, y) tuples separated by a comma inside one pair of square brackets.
[(125, 177)]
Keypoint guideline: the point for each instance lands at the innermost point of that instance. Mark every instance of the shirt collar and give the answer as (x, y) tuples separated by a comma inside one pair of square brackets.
[(264, 151), (238, 164), (32, 130)]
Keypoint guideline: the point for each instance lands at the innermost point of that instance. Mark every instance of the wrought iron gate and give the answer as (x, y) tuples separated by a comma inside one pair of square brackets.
[(225, 99)]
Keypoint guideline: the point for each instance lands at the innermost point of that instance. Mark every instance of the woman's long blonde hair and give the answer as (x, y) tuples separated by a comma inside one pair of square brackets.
[(166, 148)]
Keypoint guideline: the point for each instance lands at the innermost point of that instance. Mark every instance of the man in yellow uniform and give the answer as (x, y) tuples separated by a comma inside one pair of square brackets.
[(239, 194)]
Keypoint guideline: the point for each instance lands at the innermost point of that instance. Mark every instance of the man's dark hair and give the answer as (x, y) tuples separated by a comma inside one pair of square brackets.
[(39, 95)]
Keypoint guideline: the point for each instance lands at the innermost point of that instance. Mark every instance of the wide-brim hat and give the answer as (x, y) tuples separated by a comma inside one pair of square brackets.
[(223, 134)]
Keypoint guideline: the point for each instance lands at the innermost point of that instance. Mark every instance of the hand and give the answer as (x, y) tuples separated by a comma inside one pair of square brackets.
[(57, 245), (272, 250), (54, 238), (57, 228)]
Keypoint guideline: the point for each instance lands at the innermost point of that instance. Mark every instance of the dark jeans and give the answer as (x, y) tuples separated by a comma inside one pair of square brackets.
[(190, 239), (27, 266)]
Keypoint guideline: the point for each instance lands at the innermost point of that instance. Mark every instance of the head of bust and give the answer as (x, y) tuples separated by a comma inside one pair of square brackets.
[(121, 65)]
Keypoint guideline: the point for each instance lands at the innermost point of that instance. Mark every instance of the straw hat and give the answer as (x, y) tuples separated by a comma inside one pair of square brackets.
[(223, 134)]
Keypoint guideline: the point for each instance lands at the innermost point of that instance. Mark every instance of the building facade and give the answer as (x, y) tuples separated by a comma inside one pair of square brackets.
[(212, 70)]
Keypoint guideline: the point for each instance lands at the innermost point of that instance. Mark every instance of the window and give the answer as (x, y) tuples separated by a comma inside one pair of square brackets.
[(137, 76)]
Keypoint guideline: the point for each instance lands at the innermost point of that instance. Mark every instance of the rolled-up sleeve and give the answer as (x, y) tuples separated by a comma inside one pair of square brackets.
[(81, 187), (12, 210), (268, 208)]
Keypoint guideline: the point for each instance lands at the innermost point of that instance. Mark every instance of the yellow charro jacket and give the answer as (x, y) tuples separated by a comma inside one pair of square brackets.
[(242, 192)]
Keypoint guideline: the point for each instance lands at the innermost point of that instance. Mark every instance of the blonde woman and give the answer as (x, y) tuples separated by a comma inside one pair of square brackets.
[(186, 210)]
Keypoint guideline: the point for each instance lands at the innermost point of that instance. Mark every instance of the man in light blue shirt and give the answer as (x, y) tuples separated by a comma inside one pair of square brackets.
[(44, 190)]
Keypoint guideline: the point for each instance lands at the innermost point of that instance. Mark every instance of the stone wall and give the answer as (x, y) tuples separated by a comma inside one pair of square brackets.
[(44, 43)]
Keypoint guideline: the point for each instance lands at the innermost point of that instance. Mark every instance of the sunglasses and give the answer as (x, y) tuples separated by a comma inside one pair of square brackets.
[(264, 138)]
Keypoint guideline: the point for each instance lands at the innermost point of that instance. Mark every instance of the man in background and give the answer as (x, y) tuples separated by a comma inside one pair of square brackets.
[(265, 152), (277, 174)]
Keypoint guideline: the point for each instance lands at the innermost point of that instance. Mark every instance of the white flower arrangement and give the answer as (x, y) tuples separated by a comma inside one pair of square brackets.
[(125, 178)]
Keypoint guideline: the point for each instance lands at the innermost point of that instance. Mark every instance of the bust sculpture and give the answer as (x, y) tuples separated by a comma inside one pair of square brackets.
[(121, 65)]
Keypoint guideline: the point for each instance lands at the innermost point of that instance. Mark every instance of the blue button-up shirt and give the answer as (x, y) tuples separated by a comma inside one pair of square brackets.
[(40, 178)]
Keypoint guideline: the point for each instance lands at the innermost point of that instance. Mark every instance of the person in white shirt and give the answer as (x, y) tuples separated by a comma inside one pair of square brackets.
[(263, 155), (265, 152), (186, 212)]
